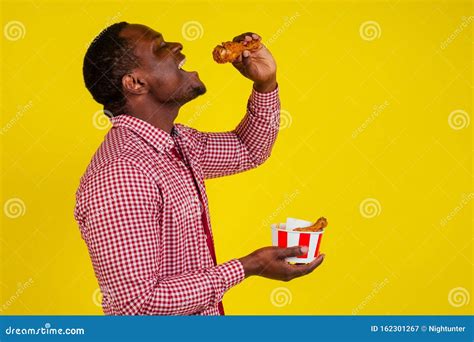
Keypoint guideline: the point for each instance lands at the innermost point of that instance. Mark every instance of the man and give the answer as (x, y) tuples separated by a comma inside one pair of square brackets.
[(141, 204)]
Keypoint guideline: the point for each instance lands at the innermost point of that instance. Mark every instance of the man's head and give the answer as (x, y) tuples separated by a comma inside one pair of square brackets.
[(130, 64)]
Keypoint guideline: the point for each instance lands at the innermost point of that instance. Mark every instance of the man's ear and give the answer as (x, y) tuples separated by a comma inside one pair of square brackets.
[(133, 84)]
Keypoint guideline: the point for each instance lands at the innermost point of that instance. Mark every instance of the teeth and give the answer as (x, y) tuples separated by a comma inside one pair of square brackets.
[(180, 65)]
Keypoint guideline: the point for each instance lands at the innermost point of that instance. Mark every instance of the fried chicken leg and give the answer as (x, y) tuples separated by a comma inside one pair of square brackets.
[(318, 226), (228, 52)]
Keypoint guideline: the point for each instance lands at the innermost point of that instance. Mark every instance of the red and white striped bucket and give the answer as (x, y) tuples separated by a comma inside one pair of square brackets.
[(289, 238)]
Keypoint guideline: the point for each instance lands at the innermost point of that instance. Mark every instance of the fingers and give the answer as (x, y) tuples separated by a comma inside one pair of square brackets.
[(242, 61), (238, 63), (301, 270), (292, 251), (246, 37), (316, 262)]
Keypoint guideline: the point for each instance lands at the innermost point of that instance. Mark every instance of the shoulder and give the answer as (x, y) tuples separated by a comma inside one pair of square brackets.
[(122, 156)]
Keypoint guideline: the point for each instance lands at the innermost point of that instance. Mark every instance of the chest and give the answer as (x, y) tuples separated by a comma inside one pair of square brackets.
[(182, 188)]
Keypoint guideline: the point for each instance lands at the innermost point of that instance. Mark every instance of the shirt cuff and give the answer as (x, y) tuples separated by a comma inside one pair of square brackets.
[(232, 272), (264, 99), (265, 105)]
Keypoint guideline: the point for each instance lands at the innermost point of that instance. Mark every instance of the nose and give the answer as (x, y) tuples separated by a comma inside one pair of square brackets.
[(177, 47)]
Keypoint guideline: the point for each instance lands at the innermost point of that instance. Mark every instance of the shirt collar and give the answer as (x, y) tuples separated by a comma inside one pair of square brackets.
[(158, 138)]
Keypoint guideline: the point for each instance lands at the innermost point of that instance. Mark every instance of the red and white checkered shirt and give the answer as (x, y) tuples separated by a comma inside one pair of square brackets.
[(139, 210)]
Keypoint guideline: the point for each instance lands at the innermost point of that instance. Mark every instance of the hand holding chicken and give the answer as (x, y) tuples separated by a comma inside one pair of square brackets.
[(251, 58)]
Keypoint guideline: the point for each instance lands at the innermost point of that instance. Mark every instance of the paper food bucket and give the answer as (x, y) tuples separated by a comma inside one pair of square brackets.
[(289, 238)]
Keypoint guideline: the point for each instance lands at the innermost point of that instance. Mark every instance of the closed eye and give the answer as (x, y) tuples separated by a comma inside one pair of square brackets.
[(159, 43)]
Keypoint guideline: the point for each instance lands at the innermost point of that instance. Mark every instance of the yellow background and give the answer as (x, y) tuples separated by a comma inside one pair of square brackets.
[(337, 148)]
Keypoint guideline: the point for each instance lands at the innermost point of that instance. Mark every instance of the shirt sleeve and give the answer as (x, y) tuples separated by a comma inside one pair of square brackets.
[(247, 146), (121, 224)]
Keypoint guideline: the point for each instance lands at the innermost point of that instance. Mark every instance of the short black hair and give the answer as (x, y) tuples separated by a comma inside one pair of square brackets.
[(108, 58)]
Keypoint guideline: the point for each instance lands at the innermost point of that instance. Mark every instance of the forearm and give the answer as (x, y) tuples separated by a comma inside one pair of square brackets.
[(259, 128), (251, 265), (188, 293), (267, 86), (245, 147)]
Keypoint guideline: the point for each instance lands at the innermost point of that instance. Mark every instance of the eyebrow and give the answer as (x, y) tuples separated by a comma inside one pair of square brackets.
[(154, 38)]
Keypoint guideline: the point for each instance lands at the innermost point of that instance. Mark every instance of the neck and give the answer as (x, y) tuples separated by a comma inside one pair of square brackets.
[(161, 115)]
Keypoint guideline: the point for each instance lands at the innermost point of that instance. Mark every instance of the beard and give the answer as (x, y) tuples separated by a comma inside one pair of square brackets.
[(198, 90), (190, 93)]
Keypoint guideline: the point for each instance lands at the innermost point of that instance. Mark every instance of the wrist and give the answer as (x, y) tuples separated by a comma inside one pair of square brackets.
[(266, 86), (250, 265)]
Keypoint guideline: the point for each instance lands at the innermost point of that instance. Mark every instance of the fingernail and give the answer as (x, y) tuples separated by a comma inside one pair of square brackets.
[(304, 249)]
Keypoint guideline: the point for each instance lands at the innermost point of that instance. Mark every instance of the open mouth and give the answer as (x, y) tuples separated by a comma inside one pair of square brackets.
[(180, 68), (180, 65)]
